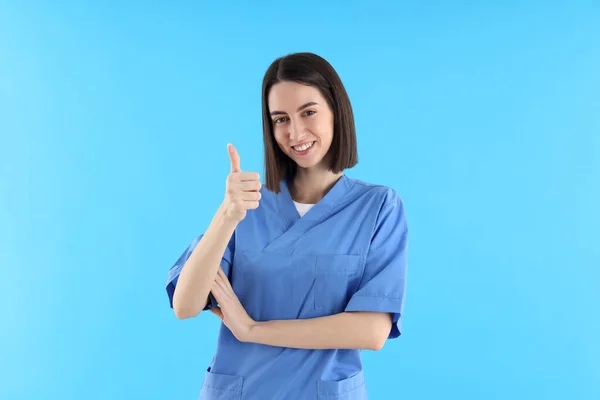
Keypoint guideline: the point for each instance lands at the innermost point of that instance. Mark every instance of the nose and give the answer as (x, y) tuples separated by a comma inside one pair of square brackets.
[(297, 131)]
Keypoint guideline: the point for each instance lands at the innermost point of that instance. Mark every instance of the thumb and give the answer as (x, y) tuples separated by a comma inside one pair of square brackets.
[(234, 157), (217, 311)]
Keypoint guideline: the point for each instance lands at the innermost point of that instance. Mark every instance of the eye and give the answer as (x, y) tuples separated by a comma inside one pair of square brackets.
[(280, 120), (309, 112)]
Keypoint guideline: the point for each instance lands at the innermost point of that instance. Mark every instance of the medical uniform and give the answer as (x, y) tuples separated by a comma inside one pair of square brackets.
[(348, 252)]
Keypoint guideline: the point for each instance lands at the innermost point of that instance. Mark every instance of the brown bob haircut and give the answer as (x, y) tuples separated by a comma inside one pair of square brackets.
[(308, 69)]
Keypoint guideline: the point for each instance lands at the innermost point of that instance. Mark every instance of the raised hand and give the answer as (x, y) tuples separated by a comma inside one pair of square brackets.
[(242, 189)]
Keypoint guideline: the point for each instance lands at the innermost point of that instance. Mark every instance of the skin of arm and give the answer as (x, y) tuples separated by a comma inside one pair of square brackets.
[(199, 271), (346, 330)]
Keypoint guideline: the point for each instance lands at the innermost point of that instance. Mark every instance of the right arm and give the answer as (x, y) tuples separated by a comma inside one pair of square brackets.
[(199, 271), (197, 275)]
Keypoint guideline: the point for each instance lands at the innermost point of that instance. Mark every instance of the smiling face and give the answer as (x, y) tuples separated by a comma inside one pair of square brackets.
[(302, 123)]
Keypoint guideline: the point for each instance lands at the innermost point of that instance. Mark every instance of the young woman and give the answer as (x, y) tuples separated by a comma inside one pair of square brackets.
[(307, 271)]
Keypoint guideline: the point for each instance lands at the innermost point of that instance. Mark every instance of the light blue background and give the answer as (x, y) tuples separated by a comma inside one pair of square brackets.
[(114, 121)]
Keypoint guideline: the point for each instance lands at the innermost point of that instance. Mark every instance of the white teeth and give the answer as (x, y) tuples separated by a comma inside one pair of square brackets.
[(303, 147)]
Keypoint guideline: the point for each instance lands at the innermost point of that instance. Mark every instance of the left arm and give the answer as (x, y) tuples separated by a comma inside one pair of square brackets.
[(347, 330)]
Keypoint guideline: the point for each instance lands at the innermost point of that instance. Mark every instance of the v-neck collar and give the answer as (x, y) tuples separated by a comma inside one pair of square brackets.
[(290, 213)]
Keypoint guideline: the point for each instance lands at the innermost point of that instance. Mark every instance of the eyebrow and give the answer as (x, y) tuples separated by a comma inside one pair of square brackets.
[(310, 103)]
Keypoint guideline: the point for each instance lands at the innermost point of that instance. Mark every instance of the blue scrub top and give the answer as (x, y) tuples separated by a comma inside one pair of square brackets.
[(347, 253)]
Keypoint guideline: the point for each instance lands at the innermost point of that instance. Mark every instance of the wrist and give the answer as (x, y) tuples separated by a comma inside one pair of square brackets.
[(225, 218), (254, 332)]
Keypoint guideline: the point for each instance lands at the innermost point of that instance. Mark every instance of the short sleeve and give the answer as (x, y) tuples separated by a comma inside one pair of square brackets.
[(175, 270), (383, 283)]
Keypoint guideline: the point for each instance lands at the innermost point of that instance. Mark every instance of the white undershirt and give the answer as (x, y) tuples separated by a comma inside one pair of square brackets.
[(303, 208)]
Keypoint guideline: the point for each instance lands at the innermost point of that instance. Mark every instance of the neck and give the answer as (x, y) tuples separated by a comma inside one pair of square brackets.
[(310, 186)]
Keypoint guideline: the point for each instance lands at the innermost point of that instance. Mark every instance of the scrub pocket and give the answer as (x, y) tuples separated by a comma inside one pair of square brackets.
[(352, 388), (221, 387), (336, 279)]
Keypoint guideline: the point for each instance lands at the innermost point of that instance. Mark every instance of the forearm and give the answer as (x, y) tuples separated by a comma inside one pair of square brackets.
[(199, 271), (347, 330)]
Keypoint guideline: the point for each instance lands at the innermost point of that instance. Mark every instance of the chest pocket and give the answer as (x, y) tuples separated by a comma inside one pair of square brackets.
[(336, 278)]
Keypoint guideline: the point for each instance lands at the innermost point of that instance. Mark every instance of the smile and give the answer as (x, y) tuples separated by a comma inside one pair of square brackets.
[(303, 147)]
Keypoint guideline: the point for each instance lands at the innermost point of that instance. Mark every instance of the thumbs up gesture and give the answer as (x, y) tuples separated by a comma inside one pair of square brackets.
[(242, 190)]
